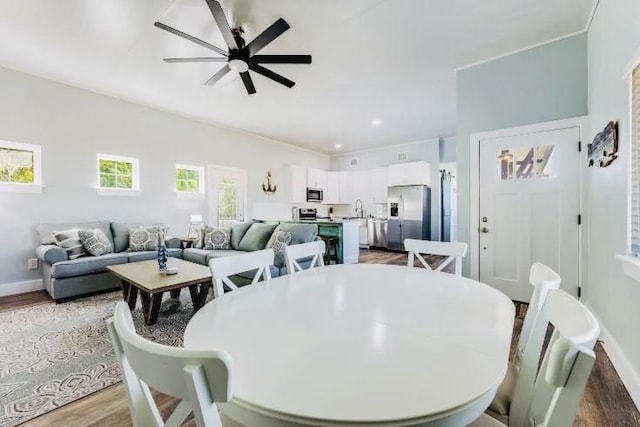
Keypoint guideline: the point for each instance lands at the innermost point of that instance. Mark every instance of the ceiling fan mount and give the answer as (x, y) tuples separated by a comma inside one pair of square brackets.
[(240, 56)]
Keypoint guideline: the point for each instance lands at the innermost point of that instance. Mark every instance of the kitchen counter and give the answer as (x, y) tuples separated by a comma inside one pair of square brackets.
[(322, 221)]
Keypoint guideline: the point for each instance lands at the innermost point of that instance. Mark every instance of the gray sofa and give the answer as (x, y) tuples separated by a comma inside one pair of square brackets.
[(65, 279), (255, 236)]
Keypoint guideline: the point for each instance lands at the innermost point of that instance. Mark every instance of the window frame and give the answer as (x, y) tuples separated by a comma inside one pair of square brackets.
[(135, 175), (22, 187), (201, 181)]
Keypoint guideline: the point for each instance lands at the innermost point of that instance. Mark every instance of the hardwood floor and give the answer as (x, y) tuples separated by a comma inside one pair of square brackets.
[(606, 402)]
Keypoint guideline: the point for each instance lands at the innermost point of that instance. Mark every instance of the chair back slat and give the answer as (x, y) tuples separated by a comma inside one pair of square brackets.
[(553, 398), (452, 250), (314, 250), (224, 267), (198, 377)]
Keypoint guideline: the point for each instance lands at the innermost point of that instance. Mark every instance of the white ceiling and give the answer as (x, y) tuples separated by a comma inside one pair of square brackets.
[(391, 60)]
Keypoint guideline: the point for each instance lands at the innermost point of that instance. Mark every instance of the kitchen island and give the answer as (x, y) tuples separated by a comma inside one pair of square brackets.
[(346, 230)]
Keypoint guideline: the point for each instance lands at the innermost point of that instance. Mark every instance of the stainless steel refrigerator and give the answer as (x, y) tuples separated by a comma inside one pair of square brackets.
[(409, 212)]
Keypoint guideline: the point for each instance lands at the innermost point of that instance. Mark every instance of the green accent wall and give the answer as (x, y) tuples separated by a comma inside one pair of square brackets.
[(537, 85)]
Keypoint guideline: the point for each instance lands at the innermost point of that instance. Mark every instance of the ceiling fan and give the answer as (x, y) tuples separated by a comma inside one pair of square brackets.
[(241, 57)]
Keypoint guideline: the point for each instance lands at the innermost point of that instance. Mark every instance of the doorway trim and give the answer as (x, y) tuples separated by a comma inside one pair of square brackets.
[(581, 123), (213, 201)]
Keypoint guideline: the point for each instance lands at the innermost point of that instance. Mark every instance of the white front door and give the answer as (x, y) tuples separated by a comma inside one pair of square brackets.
[(227, 195), (529, 207)]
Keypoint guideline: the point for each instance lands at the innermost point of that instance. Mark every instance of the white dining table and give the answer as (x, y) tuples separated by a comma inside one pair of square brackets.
[(359, 344)]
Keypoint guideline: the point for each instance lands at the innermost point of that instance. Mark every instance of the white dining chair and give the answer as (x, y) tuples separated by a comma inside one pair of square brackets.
[(314, 250), (453, 250), (199, 377), (224, 267), (566, 366), (521, 373)]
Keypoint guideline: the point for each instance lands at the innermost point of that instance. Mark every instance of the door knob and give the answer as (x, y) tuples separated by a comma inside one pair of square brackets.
[(484, 230)]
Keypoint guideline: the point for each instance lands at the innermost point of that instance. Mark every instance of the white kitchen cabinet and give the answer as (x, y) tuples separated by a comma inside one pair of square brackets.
[(412, 173), (296, 183), (338, 191), (380, 179), (332, 192), (344, 187), (317, 178)]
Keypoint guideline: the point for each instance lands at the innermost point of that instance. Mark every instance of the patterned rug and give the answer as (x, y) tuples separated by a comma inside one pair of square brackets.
[(54, 354)]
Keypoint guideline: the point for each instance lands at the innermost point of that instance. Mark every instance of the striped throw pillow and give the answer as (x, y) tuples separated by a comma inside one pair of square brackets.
[(70, 241)]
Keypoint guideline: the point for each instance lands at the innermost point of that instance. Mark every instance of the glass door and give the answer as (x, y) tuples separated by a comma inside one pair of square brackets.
[(227, 187)]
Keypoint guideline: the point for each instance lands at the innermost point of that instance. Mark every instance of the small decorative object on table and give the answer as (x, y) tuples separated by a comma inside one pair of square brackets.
[(162, 254)]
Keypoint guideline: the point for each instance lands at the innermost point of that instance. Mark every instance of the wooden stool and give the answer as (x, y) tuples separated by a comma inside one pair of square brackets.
[(332, 249)]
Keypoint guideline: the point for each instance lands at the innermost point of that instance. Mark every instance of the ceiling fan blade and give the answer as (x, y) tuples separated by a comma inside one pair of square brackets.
[(270, 74), (267, 36), (223, 24), (281, 59), (248, 82), (217, 76), (190, 38), (198, 59)]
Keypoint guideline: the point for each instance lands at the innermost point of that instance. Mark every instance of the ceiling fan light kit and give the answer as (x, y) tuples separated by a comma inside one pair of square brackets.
[(240, 57)]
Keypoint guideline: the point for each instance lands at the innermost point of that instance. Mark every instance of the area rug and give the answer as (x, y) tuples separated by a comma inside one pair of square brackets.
[(54, 354)]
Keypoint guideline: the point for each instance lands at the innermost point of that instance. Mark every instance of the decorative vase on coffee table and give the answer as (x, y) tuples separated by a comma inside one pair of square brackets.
[(162, 255)]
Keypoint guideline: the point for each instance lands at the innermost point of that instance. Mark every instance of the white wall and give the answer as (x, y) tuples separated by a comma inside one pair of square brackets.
[(428, 151), (614, 41), (72, 125)]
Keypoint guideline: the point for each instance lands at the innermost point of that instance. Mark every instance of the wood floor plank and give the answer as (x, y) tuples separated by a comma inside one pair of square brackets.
[(606, 402)]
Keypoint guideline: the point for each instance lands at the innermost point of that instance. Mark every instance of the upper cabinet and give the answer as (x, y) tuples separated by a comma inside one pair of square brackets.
[(296, 183), (317, 178), (380, 180), (338, 190), (413, 173)]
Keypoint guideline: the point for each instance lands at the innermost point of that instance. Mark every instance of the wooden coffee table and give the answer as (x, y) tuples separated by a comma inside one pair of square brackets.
[(144, 277)]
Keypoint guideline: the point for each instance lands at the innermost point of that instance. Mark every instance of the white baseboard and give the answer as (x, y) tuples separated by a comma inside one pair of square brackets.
[(628, 375), (20, 287)]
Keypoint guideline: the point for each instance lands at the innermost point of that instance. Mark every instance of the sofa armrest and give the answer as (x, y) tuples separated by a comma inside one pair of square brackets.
[(173, 242), (51, 254)]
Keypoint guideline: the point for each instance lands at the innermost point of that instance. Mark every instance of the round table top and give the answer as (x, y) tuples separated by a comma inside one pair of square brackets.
[(360, 342)]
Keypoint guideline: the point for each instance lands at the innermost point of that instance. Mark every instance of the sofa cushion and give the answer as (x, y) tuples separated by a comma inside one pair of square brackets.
[(144, 238), (70, 241), (214, 238), (300, 233), (202, 256), (95, 242), (256, 237), (148, 255), (120, 231), (237, 233), (44, 230), (86, 265)]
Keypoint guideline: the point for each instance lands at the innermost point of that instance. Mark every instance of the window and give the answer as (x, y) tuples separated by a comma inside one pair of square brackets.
[(20, 166), (635, 161), (117, 173), (523, 163), (189, 179)]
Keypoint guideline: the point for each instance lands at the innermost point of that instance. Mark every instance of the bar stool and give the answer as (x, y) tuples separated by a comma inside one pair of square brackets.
[(332, 249)]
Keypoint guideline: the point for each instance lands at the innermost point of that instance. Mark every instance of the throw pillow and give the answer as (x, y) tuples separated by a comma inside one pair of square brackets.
[(279, 240), (216, 238), (70, 241), (95, 242), (256, 237), (144, 239)]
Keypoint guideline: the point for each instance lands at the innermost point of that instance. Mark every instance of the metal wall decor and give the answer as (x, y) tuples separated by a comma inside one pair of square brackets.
[(604, 148), (269, 189)]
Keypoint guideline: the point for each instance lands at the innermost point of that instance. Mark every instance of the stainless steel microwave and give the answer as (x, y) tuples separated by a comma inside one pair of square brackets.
[(314, 195)]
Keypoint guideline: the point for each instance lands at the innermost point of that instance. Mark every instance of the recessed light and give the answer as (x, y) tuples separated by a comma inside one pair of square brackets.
[(338, 145), (376, 123)]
